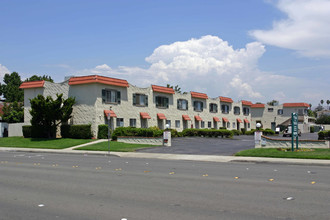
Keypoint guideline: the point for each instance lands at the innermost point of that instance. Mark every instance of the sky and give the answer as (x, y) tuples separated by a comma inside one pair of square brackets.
[(256, 50)]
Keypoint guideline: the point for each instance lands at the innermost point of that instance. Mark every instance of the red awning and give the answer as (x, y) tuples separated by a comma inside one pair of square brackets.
[(112, 113), (144, 115), (246, 121), (198, 118), (239, 120), (186, 118), (216, 119), (225, 119), (161, 116)]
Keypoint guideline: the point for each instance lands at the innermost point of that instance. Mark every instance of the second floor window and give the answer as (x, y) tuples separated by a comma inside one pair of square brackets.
[(161, 102), (198, 106), (280, 111), (237, 110), (140, 100), (182, 104), (246, 111), (225, 109), (213, 108), (270, 109), (110, 96)]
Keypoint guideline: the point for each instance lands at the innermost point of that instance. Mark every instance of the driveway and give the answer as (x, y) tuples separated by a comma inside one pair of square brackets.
[(206, 146)]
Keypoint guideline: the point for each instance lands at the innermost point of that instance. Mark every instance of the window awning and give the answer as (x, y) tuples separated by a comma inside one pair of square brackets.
[(216, 119), (161, 116), (186, 118), (144, 115), (239, 120), (198, 118), (246, 121), (112, 113), (225, 119)]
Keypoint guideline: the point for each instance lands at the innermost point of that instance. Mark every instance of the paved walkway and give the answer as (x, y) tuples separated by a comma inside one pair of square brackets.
[(205, 158)]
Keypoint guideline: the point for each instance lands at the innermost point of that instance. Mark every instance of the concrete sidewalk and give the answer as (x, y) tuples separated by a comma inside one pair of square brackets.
[(203, 158)]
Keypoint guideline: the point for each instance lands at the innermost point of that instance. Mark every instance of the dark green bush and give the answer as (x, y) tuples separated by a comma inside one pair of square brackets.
[(102, 132), (312, 129), (76, 131), (324, 135), (243, 130), (39, 132), (27, 129), (191, 132), (236, 132), (223, 128), (141, 132), (268, 131)]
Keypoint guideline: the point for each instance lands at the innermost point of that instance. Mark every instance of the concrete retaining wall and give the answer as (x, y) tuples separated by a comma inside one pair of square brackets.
[(15, 129), (141, 140), (267, 142)]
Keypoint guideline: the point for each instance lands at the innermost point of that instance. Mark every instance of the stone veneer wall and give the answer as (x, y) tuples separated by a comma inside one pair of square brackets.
[(267, 142)]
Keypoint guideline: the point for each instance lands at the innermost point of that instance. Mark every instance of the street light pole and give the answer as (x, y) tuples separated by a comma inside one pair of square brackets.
[(109, 117)]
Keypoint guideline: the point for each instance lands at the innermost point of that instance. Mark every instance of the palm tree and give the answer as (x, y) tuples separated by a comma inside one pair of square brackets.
[(321, 101), (328, 103)]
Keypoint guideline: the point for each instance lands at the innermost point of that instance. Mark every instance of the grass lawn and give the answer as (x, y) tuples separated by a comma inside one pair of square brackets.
[(115, 146), (41, 142), (273, 152)]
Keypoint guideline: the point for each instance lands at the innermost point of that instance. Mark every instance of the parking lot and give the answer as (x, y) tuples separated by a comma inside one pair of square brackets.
[(215, 146)]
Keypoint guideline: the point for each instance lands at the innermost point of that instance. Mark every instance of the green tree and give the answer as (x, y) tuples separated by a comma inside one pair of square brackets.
[(13, 112), (38, 78), (323, 119), (48, 113), (10, 89), (176, 88), (273, 103), (321, 101)]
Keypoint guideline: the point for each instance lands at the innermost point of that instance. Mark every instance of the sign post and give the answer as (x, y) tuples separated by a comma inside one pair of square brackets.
[(108, 115), (294, 130)]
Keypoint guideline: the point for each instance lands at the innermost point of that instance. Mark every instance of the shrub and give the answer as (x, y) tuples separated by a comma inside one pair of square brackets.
[(102, 132), (236, 132), (191, 132), (324, 135), (76, 131), (141, 132), (268, 131), (251, 132), (27, 131), (243, 130), (40, 132), (223, 128), (312, 129)]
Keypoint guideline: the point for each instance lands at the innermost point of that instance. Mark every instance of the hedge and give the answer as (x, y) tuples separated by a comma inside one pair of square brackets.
[(76, 131), (324, 135), (190, 132), (103, 132), (266, 131), (30, 131), (140, 132), (27, 130)]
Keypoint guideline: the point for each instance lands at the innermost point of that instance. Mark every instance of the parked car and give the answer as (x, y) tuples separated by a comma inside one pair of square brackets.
[(288, 131)]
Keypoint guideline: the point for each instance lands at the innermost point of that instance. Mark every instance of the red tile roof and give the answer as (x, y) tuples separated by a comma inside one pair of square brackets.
[(225, 119), (161, 116), (216, 119), (144, 115), (258, 106), (300, 104), (198, 95), (112, 113), (198, 118), (98, 79), (225, 99), (186, 118), (239, 120), (162, 89), (246, 121), (32, 84), (246, 103)]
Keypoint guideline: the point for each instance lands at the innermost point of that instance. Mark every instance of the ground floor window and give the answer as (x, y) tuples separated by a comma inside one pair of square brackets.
[(202, 124), (228, 124), (177, 123), (168, 122), (234, 124), (132, 122), (120, 122), (209, 124)]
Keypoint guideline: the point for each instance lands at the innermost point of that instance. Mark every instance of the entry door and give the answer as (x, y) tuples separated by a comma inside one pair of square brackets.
[(273, 126), (185, 124), (238, 126)]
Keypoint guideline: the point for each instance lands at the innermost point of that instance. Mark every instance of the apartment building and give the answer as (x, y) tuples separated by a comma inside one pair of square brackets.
[(128, 105)]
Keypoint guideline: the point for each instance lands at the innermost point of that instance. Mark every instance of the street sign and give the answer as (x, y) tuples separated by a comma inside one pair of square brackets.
[(294, 124)]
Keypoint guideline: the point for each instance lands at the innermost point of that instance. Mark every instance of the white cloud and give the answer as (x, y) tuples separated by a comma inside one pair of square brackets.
[(305, 30), (3, 71)]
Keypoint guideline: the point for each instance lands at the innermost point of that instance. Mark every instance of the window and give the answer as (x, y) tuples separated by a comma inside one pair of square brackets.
[(120, 122), (213, 108), (177, 123), (182, 104), (228, 124), (161, 102), (209, 124), (270, 109), (234, 124), (248, 125), (198, 106), (225, 109), (202, 124), (110, 96), (280, 111), (237, 110), (140, 99), (168, 122), (305, 111), (246, 111), (132, 122)]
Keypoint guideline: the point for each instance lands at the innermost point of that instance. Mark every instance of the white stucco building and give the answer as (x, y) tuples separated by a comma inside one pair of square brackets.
[(128, 105)]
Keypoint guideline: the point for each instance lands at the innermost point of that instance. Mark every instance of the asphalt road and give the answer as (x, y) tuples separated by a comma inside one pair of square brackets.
[(206, 146), (65, 186)]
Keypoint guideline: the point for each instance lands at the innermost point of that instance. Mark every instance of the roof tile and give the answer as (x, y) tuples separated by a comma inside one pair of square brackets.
[(98, 79)]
